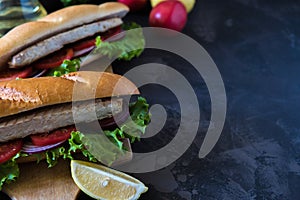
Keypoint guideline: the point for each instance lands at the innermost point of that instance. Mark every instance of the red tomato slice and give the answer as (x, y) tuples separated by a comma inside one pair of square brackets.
[(53, 137), (11, 74), (9, 149), (54, 60)]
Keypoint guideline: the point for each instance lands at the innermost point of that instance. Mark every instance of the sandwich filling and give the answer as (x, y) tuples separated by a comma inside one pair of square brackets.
[(56, 42), (111, 43), (48, 118), (63, 142)]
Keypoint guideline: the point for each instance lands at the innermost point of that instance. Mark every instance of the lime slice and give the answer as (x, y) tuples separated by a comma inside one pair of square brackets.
[(103, 183)]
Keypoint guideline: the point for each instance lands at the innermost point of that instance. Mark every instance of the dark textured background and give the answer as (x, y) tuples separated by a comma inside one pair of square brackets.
[(256, 46)]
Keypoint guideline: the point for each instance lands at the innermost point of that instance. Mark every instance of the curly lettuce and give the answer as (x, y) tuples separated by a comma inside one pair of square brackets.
[(66, 67), (9, 171)]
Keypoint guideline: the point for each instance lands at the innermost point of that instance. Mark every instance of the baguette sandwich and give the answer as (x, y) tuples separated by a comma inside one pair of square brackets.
[(38, 115), (36, 48)]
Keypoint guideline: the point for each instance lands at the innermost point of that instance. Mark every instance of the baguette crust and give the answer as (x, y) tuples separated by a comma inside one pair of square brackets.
[(26, 94), (29, 33)]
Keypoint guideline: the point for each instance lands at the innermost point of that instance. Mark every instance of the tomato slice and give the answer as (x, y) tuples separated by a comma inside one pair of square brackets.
[(53, 137), (54, 60), (11, 74), (9, 150), (111, 32), (84, 44)]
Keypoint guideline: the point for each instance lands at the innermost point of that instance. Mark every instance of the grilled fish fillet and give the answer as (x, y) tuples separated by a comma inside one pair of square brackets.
[(52, 117), (57, 42)]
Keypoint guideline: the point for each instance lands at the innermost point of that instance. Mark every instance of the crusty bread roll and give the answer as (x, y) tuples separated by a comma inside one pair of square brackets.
[(25, 94), (29, 33)]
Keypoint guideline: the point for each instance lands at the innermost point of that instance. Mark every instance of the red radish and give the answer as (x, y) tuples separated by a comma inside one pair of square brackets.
[(169, 14), (134, 5)]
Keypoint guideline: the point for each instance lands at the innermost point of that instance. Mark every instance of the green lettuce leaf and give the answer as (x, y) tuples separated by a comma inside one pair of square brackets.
[(107, 151), (76, 144), (53, 155), (73, 2), (102, 148), (9, 171), (140, 118), (132, 45), (66, 67)]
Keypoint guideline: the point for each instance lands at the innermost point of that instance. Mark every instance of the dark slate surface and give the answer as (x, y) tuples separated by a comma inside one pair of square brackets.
[(256, 47)]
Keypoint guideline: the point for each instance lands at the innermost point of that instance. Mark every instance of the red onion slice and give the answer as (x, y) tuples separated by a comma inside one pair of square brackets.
[(31, 149), (83, 51), (39, 73), (116, 37)]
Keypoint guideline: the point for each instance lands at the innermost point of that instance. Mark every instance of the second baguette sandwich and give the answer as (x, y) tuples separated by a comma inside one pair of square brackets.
[(37, 48), (38, 116)]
